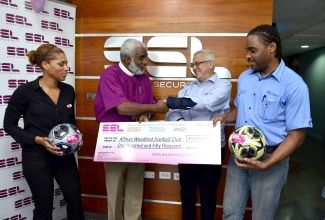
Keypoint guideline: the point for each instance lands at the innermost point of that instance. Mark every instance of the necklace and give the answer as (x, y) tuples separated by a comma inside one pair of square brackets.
[(54, 100)]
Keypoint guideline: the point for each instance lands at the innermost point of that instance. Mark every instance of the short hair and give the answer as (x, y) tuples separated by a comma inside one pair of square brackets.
[(268, 34), (45, 52), (129, 46), (208, 54)]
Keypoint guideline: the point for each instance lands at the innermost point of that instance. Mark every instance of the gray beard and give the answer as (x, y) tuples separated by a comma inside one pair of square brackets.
[(135, 69)]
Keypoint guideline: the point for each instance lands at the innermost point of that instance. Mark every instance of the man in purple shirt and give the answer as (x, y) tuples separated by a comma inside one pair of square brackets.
[(124, 95)]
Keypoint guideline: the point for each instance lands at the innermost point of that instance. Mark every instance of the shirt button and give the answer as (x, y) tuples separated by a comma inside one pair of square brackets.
[(249, 108), (245, 121)]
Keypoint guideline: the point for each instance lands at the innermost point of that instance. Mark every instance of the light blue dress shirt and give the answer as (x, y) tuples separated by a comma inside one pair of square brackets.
[(212, 98), (274, 103)]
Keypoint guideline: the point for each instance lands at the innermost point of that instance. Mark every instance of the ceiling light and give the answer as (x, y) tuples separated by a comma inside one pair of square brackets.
[(304, 46)]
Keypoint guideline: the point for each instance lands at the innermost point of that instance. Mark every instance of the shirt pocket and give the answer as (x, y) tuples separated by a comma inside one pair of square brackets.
[(269, 109)]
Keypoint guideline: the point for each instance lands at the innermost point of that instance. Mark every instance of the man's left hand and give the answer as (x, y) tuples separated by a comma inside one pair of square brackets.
[(251, 164), (141, 118)]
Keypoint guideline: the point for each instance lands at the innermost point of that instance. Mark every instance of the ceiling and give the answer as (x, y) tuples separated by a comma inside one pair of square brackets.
[(300, 22)]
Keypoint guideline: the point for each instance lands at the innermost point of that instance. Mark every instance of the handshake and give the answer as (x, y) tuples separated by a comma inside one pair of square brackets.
[(180, 103)]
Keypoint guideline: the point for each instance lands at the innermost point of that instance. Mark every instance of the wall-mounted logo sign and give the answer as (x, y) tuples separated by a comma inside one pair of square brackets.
[(167, 54), (38, 5)]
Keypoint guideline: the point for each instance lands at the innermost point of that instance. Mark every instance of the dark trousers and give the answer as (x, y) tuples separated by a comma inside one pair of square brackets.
[(40, 173), (206, 177)]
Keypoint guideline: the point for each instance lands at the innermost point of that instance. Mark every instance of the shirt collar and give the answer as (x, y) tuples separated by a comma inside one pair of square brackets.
[(125, 69), (277, 73), (35, 83), (213, 79)]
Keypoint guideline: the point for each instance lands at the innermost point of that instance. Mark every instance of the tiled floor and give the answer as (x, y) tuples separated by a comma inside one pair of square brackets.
[(95, 216), (301, 196)]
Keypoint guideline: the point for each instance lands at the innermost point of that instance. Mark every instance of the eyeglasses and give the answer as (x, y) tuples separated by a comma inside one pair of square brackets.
[(197, 64)]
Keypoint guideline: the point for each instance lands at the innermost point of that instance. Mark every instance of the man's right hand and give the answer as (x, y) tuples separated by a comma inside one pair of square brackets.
[(220, 118), (162, 107), (229, 116)]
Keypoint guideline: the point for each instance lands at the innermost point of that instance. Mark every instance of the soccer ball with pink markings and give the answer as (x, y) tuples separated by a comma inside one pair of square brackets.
[(247, 142), (67, 137)]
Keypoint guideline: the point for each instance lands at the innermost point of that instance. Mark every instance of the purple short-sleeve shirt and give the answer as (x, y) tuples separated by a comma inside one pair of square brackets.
[(116, 87)]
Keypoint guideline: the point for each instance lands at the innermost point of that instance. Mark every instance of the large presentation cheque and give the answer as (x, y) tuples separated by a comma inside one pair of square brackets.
[(193, 142)]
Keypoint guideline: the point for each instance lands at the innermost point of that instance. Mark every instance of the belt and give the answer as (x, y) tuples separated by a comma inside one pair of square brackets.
[(271, 149)]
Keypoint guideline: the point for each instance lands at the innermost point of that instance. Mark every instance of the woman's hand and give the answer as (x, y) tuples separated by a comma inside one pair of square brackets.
[(80, 145), (45, 141)]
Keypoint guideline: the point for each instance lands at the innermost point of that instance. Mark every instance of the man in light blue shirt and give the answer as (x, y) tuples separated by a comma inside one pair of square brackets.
[(273, 98), (212, 96)]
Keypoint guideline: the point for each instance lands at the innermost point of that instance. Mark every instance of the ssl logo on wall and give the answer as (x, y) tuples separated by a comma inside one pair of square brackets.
[(159, 56), (170, 57)]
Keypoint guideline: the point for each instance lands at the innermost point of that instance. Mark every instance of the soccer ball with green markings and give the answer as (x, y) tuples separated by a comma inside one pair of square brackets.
[(247, 142)]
